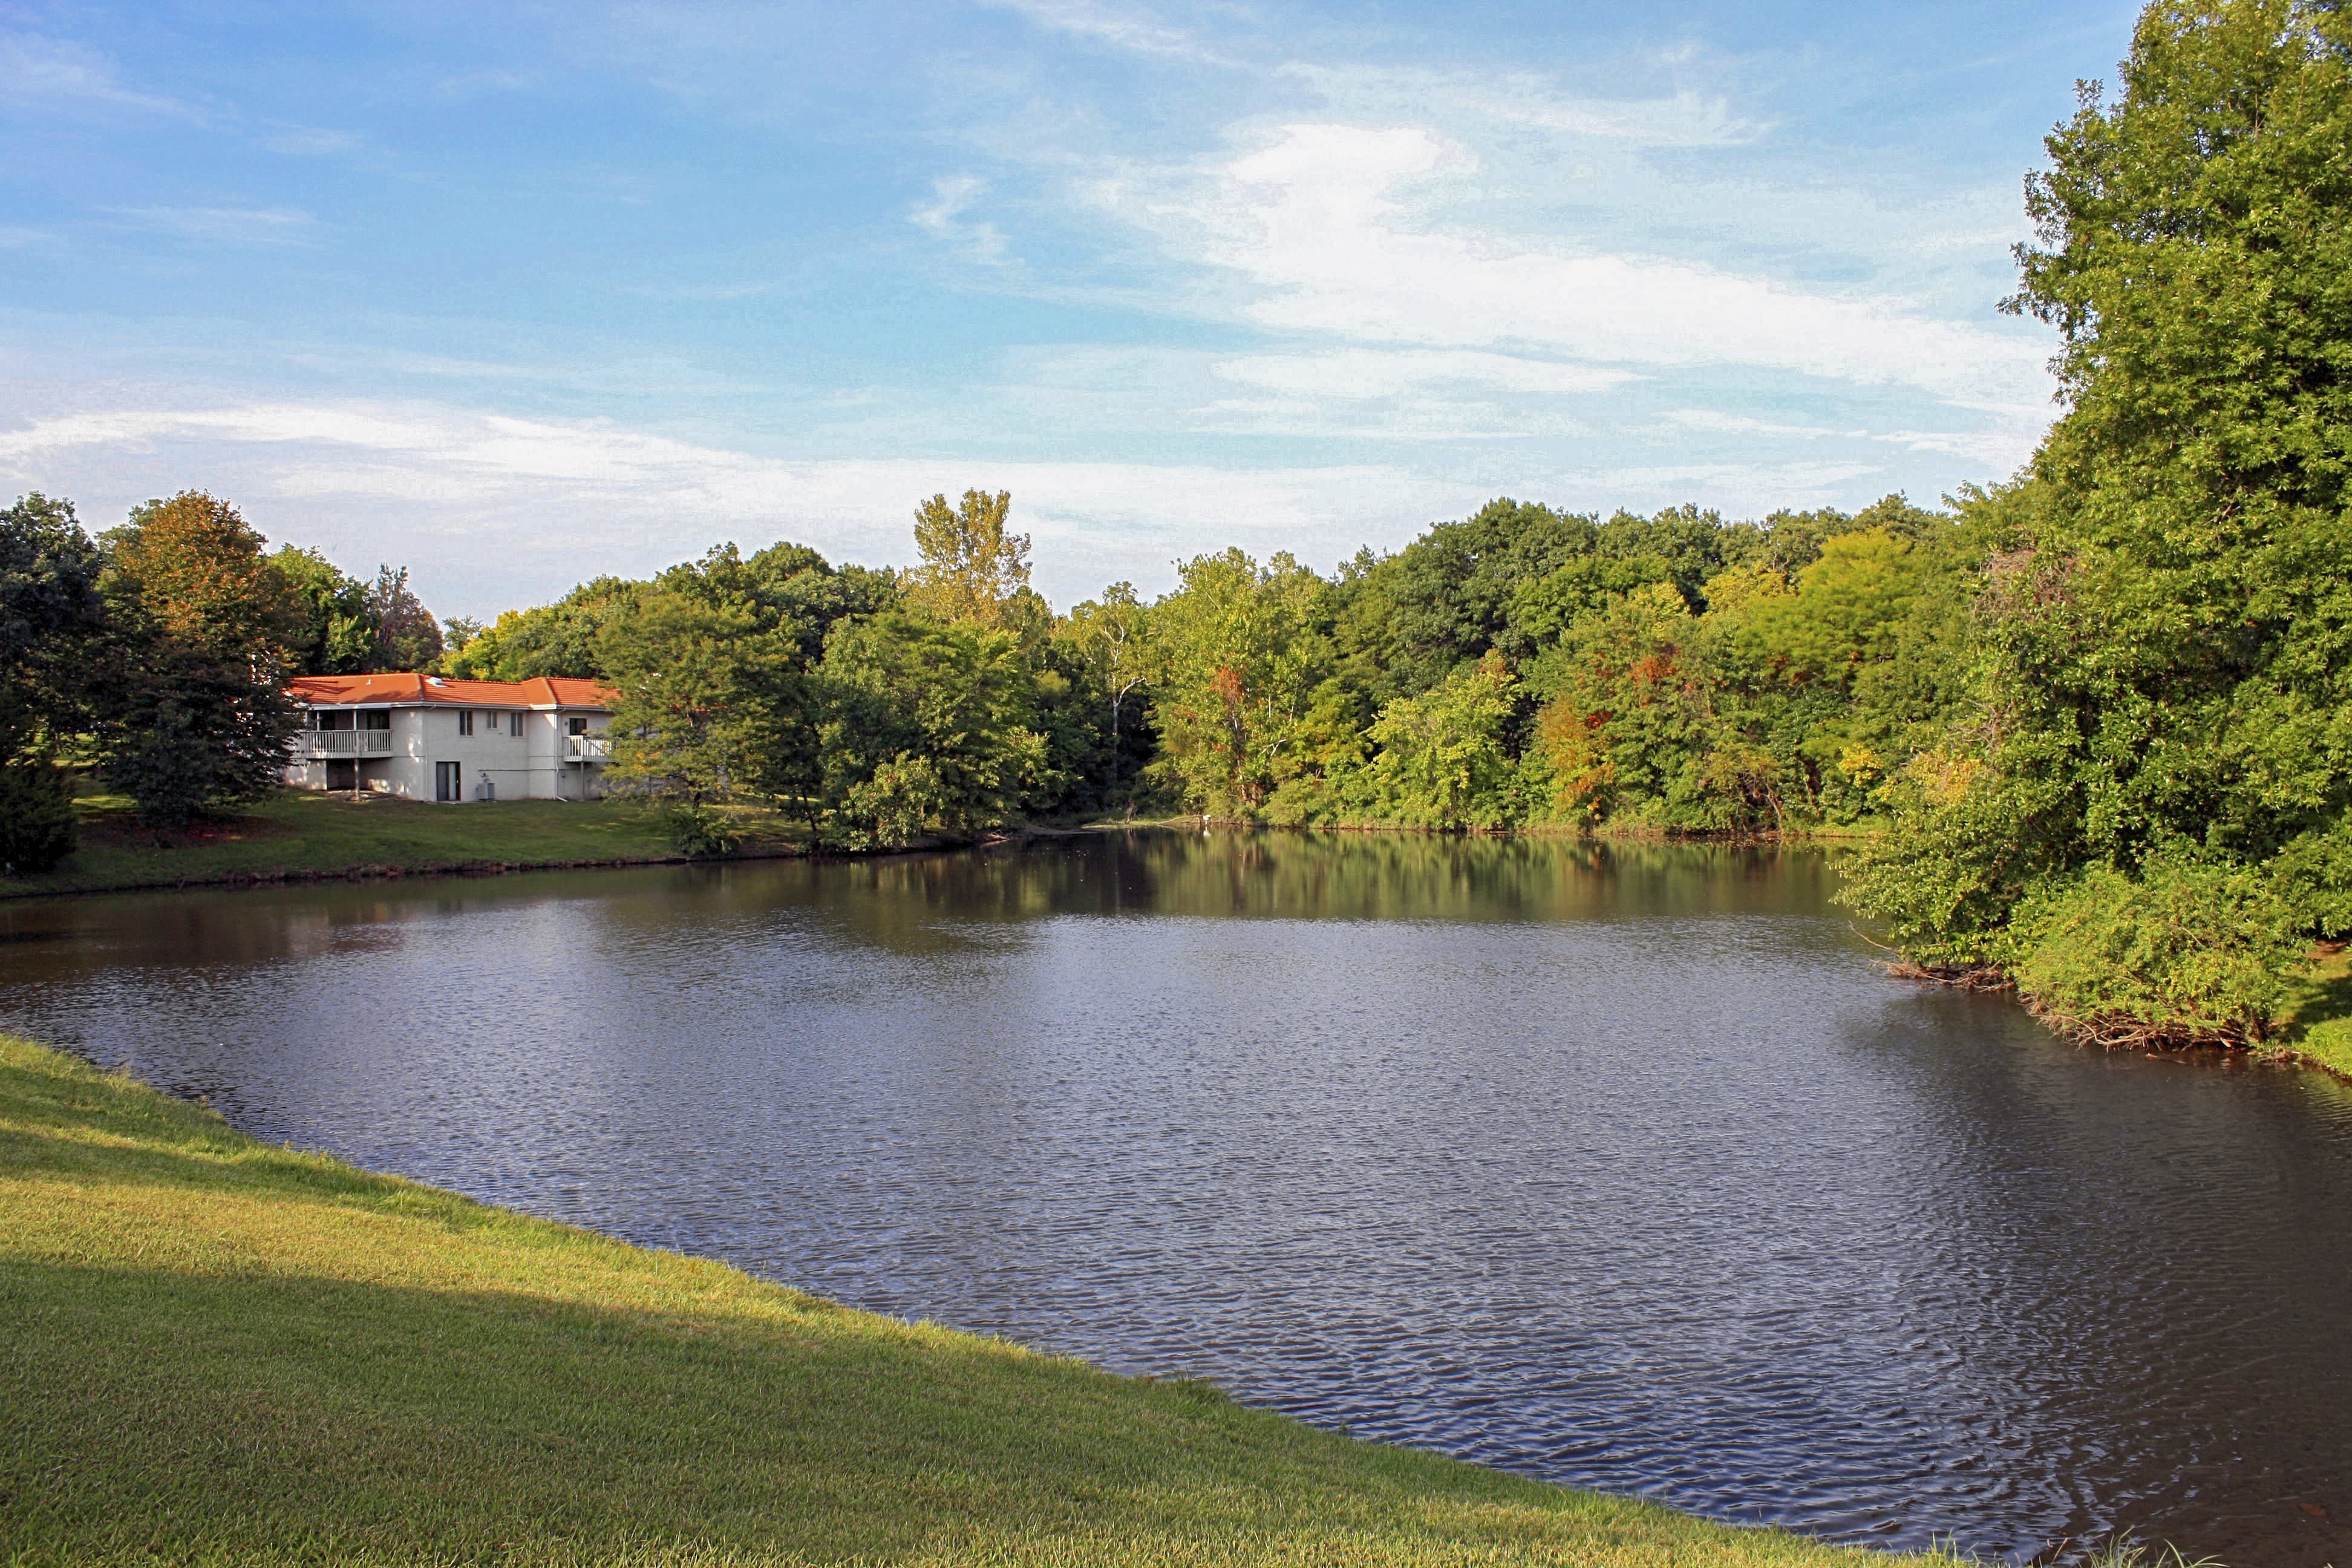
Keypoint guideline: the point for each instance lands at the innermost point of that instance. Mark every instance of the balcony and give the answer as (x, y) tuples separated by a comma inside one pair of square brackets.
[(587, 749), (342, 743)]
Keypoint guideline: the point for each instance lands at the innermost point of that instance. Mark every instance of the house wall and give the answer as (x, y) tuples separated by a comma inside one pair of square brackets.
[(529, 766)]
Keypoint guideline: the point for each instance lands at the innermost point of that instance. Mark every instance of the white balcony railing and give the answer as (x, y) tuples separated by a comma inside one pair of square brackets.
[(343, 743), (587, 749)]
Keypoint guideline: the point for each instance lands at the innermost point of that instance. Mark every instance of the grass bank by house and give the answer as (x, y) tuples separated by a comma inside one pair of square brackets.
[(221, 1350), (297, 834)]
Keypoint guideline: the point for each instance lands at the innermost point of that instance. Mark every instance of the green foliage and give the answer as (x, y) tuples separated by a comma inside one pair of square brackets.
[(2142, 809), (698, 830), (928, 728), (1963, 843), (337, 635), (1105, 652), (52, 625), (351, 627), (558, 639), (973, 569), (36, 817), (1442, 760), (1239, 650), (2181, 952), (407, 637)]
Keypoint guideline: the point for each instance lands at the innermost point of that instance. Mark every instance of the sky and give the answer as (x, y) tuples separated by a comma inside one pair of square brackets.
[(519, 294)]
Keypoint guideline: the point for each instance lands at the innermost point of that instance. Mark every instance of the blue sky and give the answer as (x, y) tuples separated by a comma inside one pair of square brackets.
[(521, 294)]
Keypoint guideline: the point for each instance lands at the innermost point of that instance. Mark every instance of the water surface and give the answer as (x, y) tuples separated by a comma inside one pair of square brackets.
[(1623, 1168)]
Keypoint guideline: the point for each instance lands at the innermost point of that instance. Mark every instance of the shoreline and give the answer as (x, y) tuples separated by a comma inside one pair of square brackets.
[(229, 1349), (299, 838), (489, 863)]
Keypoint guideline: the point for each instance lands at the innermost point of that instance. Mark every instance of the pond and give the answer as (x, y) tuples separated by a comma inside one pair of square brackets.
[(1624, 1166)]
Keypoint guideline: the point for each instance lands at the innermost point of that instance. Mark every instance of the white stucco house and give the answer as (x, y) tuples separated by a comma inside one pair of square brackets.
[(423, 738)]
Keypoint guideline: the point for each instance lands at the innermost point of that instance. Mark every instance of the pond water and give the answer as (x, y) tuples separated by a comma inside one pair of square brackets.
[(1622, 1167)]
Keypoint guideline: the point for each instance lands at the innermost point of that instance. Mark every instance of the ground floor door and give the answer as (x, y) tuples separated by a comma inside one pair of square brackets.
[(343, 774), (447, 783)]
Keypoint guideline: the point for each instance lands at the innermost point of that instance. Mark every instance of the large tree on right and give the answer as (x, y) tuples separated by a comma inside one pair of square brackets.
[(2144, 816)]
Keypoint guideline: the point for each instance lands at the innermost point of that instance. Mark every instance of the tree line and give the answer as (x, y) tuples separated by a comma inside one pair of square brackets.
[(157, 654), (2095, 724)]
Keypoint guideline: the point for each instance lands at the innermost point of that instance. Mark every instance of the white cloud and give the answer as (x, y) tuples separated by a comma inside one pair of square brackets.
[(1722, 424), (943, 219), (1679, 118), (1405, 394), (494, 511), (1357, 373), (234, 226), (313, 142), (39, 70), (1333, 229), (1127, 30)]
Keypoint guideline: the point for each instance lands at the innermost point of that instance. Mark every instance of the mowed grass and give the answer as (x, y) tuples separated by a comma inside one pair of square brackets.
[(296, 833), (221, 1351), (2318, 1029)]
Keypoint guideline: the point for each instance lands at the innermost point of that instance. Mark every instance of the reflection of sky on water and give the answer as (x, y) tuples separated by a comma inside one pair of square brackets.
[(1622, 1166)]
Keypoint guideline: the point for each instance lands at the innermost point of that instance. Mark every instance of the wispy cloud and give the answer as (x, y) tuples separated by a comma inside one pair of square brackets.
[(52, 71), (225, 225), (1682, 117), (312, 141), (1357, 374), (943, 218), (1339, 229), (1136, 32), (1723, 423)]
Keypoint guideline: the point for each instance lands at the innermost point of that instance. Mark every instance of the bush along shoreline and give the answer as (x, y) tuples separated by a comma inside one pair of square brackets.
[(225, 1349)]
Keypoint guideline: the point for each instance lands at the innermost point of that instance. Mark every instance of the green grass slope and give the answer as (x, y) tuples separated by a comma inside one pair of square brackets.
[(296, 833), (2317, 1029), (223, 1350)]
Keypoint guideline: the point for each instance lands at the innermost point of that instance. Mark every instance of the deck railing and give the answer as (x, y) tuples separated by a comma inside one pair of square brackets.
[(587, 749), (344, 742)]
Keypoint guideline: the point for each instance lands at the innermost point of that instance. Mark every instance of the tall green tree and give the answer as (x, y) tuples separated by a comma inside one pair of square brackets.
[(52, 636), (2164, 702), (557, 639), (1239, 651), (407, 637), (975, 569), (1109, 643), (337, 635), (930, 728), (714, 662)]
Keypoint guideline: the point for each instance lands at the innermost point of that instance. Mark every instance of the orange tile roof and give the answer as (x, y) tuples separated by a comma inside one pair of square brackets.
[(540, 691)]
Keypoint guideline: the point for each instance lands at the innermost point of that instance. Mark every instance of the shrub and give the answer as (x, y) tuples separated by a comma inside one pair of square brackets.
[(697, 830), (2183, 953)]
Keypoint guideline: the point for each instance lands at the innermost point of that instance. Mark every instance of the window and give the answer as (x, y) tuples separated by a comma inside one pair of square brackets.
[(448, 781), (514, 724), (465, 724), (575, 726), (375, 719)]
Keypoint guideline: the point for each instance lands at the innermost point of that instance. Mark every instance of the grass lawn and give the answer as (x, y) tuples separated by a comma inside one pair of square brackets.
[(296, 833), (223, 1350), (2319, 1027)]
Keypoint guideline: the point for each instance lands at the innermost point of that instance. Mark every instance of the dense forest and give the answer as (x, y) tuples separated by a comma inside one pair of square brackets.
[(2092, 725)]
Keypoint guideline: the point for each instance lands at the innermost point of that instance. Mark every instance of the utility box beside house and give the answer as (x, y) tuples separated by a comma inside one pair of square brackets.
[(423, 738)]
